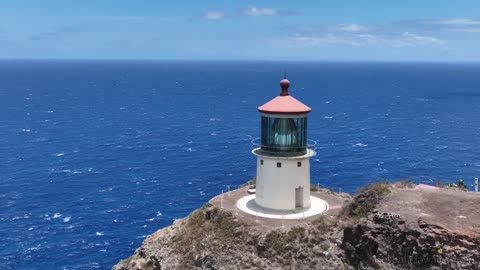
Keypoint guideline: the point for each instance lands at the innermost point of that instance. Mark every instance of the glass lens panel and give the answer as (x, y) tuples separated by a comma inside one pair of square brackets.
[(284, 134)]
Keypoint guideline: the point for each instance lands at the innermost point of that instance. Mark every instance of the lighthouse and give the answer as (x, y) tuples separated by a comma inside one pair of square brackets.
[(283, 155)]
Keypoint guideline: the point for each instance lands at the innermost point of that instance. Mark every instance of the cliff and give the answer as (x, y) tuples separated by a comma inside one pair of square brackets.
[(383, 227)]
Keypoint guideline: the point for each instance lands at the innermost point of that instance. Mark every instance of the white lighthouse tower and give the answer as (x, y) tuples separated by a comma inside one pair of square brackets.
[(283, 156)]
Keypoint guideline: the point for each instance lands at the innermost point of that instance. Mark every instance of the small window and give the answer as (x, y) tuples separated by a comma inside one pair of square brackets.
[(261, 161), (299, 164), (279, 164)]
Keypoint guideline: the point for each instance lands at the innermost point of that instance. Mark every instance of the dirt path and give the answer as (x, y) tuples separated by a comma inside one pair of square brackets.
[(457, 210)]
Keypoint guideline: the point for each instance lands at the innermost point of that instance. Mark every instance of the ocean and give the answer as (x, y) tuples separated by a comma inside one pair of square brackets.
[(96, 155)]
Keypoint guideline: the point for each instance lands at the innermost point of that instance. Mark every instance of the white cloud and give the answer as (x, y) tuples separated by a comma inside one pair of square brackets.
[(214, 15), (408, 39), (405, 39), (353, 27), (258, 11), (459, 25), (459, 22), (329, 39), (403, 34), (464, 30)]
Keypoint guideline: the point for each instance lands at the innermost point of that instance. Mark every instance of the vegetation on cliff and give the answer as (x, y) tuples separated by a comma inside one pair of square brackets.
[(383, 227)]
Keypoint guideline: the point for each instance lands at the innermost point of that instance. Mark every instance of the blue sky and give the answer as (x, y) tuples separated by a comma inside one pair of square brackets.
[(246, 30)]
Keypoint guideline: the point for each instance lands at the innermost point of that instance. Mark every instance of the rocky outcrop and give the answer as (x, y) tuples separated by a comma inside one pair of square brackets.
[(213, 239), (371, 233), (386, 241)]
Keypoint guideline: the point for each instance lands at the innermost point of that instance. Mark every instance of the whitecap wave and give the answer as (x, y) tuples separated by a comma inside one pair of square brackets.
[(422, 99), (360, 145)]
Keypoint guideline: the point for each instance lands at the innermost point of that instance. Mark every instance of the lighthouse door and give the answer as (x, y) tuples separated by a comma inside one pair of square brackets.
[(299, 197)]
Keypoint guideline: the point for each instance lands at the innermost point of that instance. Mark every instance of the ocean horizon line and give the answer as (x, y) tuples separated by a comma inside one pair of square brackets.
[(180, 60)]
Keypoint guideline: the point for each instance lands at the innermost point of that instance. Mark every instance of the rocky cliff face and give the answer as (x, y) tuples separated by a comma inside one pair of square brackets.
[(214, 239), (371, 233), (417, 229), (377, 243)]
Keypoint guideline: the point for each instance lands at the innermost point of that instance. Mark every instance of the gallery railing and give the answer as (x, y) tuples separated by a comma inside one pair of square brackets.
[(290, 150)]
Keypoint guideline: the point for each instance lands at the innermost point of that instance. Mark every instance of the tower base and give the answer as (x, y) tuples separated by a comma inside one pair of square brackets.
[(247, 204), (283, 183)]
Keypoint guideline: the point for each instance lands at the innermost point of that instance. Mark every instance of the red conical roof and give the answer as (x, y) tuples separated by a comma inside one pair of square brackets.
[(284, 103)]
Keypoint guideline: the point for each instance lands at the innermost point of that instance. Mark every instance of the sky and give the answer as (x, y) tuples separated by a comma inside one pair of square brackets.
[(315, 30)]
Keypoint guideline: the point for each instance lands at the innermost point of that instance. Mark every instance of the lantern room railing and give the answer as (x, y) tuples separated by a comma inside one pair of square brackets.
[(290, 150)]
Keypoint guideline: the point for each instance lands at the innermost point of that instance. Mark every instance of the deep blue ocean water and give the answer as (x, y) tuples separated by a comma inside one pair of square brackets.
[(94, 156)]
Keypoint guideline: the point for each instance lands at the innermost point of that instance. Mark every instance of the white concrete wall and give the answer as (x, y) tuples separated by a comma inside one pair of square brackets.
[(275, 187)]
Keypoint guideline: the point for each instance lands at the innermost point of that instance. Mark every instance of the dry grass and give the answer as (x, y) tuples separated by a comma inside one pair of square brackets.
[(439, 183), (208, 229), (125, 262), (278, 243), (325, 223), (250, 182), (366, 200), (404, 183)]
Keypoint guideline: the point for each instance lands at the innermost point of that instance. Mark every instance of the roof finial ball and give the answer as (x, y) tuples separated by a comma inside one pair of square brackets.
[(284, 84)]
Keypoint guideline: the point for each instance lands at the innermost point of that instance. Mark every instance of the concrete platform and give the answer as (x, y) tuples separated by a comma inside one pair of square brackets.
[(247, 204), (228, 202)]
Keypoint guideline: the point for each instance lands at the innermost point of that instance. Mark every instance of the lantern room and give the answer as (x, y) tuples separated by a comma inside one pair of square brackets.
[(284, 125)]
